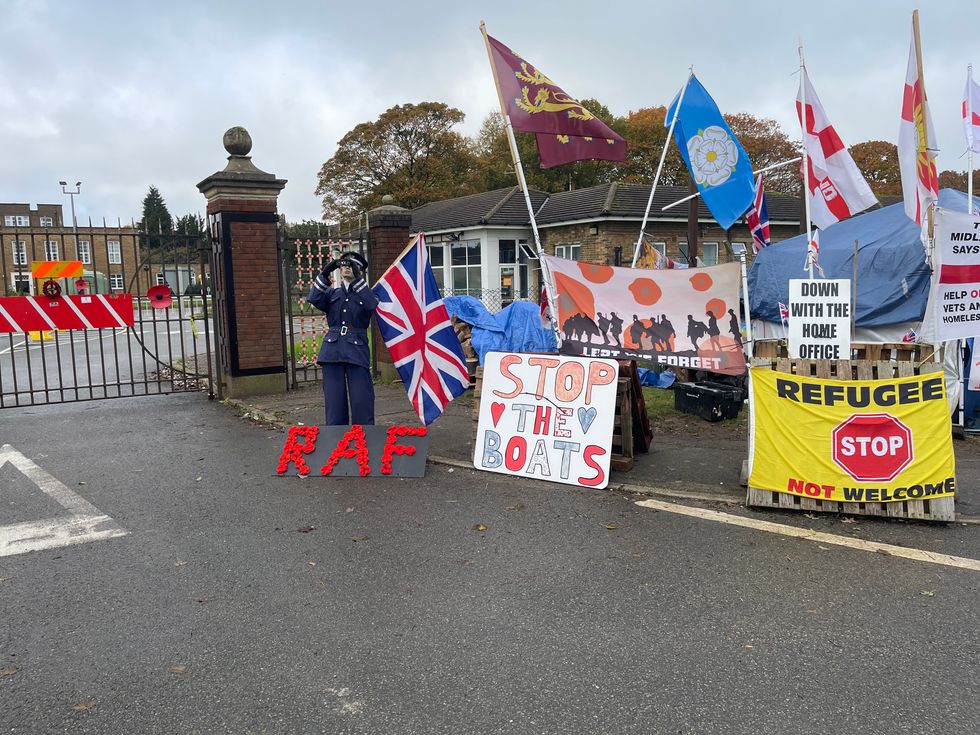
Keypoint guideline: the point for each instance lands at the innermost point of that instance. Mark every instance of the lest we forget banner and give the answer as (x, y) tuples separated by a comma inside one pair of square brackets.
[(547, 417), (864, 441), (686, 318), (954, 302)]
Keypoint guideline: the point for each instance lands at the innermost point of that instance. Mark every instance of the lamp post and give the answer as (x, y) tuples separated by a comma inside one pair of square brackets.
[(74, 224)]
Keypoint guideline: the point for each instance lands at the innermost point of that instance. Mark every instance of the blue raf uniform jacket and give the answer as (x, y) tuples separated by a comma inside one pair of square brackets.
[(348, 311)]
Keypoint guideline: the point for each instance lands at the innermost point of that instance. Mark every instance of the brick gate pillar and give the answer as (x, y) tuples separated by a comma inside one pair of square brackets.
[(388, 233), (243, 220)]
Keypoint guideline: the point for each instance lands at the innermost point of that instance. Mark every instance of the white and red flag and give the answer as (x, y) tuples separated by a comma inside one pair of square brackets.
[(813, 253), (834, 184), (971, 114), (917, 145)]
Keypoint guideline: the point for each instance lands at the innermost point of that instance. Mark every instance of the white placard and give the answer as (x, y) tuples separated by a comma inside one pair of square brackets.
[(956, 277), (547, 417), (820, 319)]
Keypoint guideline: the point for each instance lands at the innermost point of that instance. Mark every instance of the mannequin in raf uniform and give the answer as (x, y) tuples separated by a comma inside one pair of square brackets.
[(344, 355)]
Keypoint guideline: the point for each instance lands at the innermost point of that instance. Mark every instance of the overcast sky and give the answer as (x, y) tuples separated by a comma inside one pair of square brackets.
[(121, 95)]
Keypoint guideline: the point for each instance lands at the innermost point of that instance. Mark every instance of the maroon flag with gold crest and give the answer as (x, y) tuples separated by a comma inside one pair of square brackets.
[(565, 130)]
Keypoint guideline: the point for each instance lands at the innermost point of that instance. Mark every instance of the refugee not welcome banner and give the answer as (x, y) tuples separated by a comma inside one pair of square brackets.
[(852, 441)]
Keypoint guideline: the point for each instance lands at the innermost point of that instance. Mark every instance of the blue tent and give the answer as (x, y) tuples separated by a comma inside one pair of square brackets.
[(893, 276)]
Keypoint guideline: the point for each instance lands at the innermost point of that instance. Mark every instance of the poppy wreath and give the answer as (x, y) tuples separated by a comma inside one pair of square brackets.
[(392, 448), (294, 450), (344, 450)]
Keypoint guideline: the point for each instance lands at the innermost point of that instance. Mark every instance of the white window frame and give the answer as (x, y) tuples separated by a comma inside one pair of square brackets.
[(114, 249), (660, 247), (83, 249), (116, 281), (46, 221), (569, 251), (439, 271), (682, 252), (472, 289), (24, 278), (18, 249), (51, 248), (16, 220), (704, 253), (161, 279)]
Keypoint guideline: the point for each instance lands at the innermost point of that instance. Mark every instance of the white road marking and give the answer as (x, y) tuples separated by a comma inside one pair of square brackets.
[(86, 522), (13, 347), (810, 535)]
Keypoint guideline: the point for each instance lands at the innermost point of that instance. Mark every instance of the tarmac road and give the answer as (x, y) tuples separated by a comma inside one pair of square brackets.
[(240, 602)]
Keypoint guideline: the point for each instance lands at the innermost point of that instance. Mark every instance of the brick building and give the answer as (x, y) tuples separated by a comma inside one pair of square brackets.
[(478, 243), (28, 233)]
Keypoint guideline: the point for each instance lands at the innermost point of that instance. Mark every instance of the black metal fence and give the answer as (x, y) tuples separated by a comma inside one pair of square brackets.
[(166, 350)]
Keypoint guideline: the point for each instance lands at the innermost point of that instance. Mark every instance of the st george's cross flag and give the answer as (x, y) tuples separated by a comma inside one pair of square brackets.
[(757, 218), (565, 130), (917, 145), (835, 185), (971, 114), (717, 162), (416, 329)]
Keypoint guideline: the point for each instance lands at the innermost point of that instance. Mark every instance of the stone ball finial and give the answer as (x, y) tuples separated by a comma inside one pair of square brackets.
[(237, 141), (387, 200)]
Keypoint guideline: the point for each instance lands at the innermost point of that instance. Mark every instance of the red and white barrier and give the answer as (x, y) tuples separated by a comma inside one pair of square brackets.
[(39, 313)]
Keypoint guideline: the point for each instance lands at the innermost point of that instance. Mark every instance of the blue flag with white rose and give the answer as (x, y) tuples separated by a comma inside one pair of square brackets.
[(716, 160)]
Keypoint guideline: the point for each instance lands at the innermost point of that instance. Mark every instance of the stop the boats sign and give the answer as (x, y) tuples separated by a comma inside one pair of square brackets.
[(872, 446)]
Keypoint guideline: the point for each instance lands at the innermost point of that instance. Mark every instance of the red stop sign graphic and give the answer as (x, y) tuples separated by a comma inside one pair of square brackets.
[(872, 446)]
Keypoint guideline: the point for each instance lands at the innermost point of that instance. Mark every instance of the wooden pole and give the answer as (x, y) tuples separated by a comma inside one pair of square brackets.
[(660, 166), (511, 142), (854, 296)]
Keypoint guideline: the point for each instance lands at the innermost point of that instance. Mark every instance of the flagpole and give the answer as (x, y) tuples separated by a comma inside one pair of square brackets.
[(696, 194), (806, 163), (522, 185), (500, 97), (969, 143), (925, 117), (660, 166)]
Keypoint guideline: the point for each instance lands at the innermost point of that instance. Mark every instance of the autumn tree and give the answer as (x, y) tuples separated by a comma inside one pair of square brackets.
[(765, 143), (878, 161), (411, 152), (957, 180), (497, 168)]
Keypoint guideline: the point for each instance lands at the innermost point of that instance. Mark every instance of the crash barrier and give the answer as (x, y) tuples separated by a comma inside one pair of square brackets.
[(934, 509)]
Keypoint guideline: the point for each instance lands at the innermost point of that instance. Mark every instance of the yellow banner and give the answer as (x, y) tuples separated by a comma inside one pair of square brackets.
[(865, 441)]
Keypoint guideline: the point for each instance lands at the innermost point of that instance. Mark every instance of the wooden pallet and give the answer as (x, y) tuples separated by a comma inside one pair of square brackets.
[(936, 509)]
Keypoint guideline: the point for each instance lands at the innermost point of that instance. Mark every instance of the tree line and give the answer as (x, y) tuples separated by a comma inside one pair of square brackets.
[(415, 153)]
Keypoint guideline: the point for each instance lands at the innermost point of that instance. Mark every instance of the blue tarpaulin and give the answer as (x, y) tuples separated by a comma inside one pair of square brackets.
[(516, 328), (893, 276)]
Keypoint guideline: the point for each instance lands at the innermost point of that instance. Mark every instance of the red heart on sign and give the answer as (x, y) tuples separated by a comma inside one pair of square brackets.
[(496, 409)]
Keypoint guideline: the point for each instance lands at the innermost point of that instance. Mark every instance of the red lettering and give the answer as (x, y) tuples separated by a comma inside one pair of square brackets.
[(515, 462), (505, 364), (293, 450), (569, 381), (593, 451), (542, 419), (343, 450), (599, 374), (392, 447), (545, 363)]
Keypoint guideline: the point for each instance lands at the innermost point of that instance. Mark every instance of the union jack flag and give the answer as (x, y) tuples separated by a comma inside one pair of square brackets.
[(783, 313), (757, 218), (910, 336), (416, 329)]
